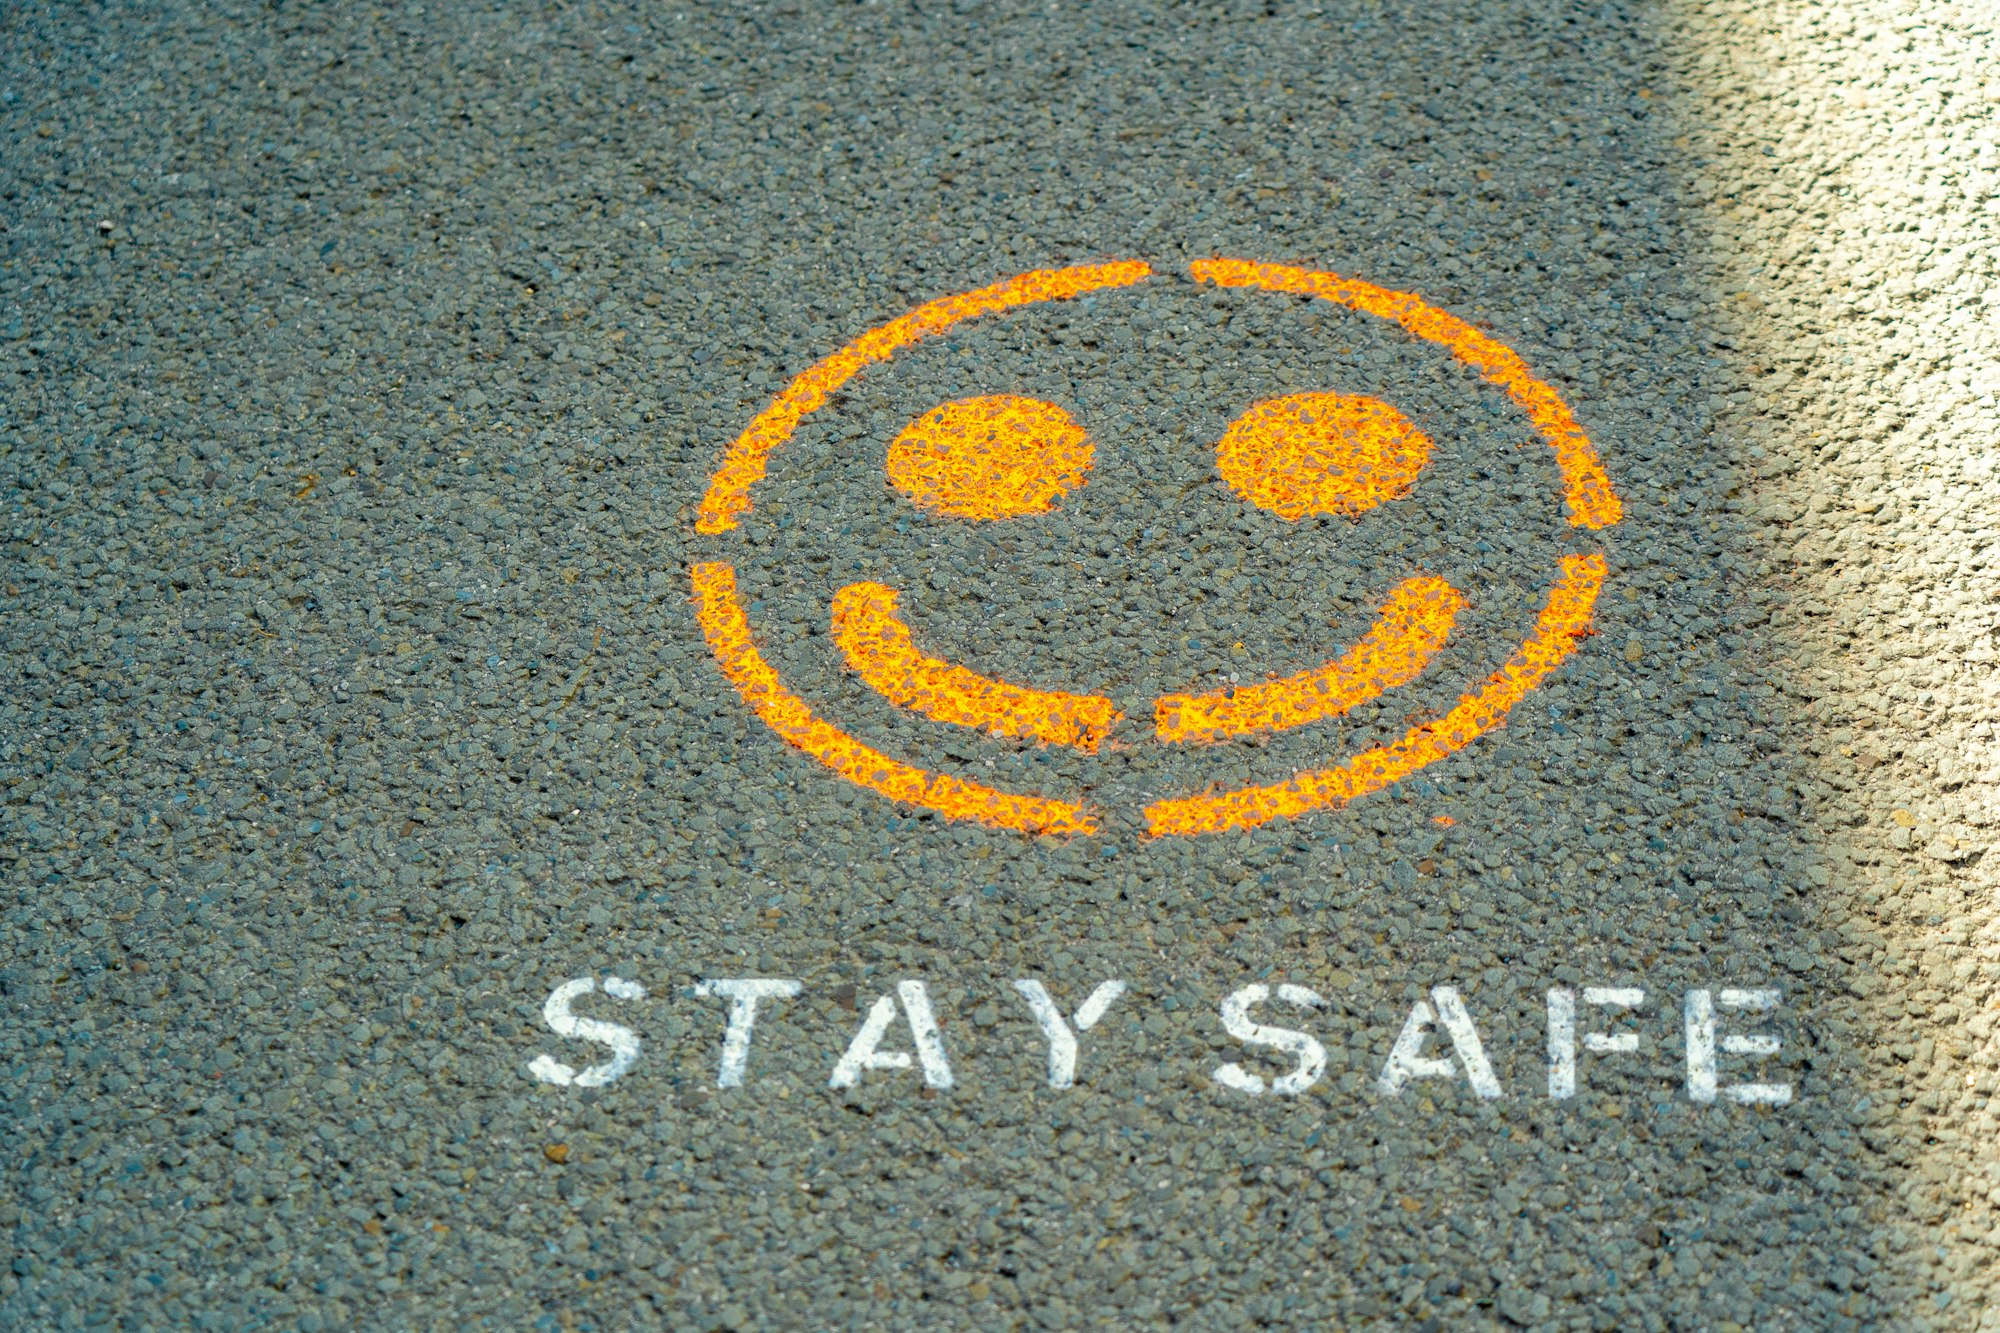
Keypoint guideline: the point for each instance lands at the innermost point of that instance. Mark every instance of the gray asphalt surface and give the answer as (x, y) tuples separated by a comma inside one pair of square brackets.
[(361, 370)]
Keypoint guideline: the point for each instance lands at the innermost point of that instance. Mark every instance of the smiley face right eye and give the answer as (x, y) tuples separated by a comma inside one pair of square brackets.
[(997, 456), (1321, 453)]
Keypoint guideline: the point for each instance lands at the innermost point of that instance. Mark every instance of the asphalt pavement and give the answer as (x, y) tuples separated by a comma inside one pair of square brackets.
[(525, 520)]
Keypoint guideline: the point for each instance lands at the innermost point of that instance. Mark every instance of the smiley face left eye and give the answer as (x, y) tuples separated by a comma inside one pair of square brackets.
[(997, 456)]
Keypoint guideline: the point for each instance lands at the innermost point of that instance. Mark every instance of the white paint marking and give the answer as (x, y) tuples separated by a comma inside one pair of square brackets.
[(865, 1053), (1407, 1060), (1703, 1083), (1236, 1021), (1098, 1004), (1562, 1032), (743, 993), (1062, 1042), (624, 1042), (1562, 1042)]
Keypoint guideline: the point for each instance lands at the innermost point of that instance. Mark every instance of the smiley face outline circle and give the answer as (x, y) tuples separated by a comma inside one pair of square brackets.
[(1564, 620)]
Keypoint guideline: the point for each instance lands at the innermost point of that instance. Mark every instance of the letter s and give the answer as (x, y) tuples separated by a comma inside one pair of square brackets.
[(623, 1041), (1236, 1021)]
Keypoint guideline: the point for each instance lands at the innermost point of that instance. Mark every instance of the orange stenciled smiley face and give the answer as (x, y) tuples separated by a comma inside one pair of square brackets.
[(999, 457)]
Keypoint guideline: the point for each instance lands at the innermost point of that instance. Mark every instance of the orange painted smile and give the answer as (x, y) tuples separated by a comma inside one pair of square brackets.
[(1000, 457)]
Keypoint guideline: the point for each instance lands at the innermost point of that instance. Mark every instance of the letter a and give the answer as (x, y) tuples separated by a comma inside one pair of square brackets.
[(1407, 1060), (865, 1051)]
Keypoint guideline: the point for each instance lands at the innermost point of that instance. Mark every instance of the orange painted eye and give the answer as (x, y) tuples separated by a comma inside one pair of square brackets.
[(999, 456), (1321, 453)]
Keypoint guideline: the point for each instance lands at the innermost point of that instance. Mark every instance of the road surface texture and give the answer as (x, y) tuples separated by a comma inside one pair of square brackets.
[(362, 376)]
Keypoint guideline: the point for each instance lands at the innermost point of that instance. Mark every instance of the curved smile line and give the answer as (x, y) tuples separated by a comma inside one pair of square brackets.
[(878, 648), (1416, 619)]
